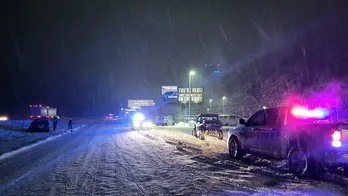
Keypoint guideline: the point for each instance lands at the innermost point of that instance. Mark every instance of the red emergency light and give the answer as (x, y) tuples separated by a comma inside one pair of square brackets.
[(302, 112), (336, 137)]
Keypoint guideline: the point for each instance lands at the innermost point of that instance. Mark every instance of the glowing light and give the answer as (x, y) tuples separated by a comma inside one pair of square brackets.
[(3, 118), (192, 73), (305, 113), (136, 124), (336, 144), (336, 136), (138, 117), (148, 124)]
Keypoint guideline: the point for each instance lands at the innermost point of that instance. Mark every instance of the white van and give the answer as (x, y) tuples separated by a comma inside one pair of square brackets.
[(229, 119)]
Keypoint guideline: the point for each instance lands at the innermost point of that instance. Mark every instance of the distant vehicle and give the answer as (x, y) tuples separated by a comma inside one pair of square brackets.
[(170, 95), (52, 112), (208, 124), (307, 139), (139, 122), (39, 125), (109, 117), (229, 119), (164, 121), (39, 111)]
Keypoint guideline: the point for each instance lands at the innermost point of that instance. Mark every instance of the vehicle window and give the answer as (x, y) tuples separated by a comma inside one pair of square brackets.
[(210, 118), (257, 119), (272, 117)]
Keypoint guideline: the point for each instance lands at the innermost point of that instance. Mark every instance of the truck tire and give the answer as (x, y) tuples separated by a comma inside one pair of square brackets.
[(220, 135), (234, 149), (194, 132), (299, 163), (201, 135)]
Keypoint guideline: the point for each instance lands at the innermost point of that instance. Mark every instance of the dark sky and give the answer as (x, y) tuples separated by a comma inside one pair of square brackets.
[(88, 56)]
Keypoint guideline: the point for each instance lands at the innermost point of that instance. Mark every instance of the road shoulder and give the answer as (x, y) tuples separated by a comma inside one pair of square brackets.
[(16, 147)]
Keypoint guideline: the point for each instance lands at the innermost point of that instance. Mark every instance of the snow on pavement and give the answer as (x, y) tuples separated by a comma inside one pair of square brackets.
[(111, 161), (14, 139)]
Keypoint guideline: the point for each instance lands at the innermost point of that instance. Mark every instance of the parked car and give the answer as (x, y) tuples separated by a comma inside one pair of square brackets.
[(39, 125), (208, 124), (229, 119)]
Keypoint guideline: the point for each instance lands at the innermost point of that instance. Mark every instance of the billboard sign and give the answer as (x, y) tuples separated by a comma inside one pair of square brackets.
[(138, 103), (169, 93), (196, 95)]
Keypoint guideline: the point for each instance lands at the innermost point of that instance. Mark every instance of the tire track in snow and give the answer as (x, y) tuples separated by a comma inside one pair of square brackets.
[(179, 172), (269, 179), (126, 172), (43, 165)]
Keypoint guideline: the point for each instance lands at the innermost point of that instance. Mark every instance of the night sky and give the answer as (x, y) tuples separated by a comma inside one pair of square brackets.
[(87, 57)]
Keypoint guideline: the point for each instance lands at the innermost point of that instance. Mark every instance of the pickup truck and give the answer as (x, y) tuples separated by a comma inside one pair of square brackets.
[(307, 139), (207, 124)]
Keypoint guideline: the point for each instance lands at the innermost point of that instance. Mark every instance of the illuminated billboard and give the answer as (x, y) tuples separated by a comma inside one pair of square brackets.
[(196, 95), (138, 103), (169, 93)]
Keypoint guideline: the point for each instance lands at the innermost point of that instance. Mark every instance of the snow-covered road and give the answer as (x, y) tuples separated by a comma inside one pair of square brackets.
[(109, 160)]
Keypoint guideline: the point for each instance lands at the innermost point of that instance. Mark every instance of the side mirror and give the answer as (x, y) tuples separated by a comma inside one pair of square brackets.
[(242, 121)]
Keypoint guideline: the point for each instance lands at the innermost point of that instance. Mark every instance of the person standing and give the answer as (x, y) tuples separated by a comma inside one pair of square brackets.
[(70, 124), (55, 121)]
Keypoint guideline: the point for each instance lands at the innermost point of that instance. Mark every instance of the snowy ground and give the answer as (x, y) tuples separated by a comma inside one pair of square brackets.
[(109, 160), (188, 129), (13, 134)]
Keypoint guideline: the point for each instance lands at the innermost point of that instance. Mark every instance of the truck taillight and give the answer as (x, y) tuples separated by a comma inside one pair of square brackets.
[(336, 137)]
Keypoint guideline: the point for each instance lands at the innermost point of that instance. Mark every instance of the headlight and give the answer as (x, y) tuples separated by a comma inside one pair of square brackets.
[(148, 124), (136, 124), (138, 117), (3, 118)]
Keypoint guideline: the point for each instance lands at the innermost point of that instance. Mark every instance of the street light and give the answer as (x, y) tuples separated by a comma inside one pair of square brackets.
[(192, 73), (210, 100), (223, 104)]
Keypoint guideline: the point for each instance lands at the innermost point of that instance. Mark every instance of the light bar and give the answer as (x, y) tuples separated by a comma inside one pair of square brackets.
[(305, 113)]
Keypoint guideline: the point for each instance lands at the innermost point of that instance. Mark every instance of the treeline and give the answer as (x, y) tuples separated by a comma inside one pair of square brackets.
[(302, 63)]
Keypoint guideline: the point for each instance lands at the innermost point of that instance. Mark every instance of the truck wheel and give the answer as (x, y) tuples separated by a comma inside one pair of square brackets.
[(194, 132), (201, 135), (345, 170), (299, 163), (220, 135), (234, 149)]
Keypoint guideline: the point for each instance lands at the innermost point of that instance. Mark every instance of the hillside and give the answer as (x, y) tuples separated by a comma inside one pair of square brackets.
[(301, 63)]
